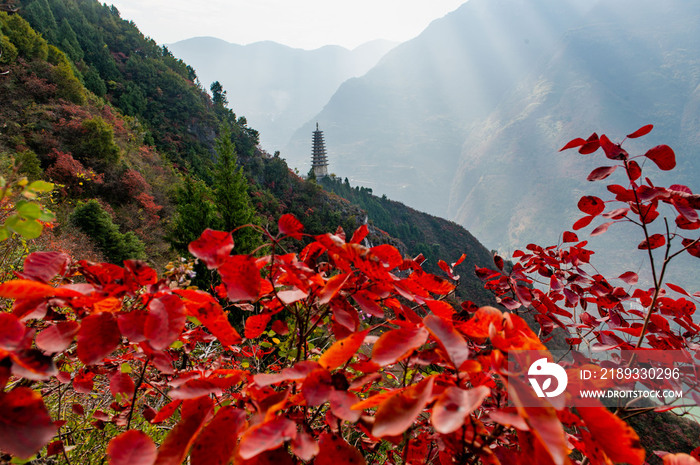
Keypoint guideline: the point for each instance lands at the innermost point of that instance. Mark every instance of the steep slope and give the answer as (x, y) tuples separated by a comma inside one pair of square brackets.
[(399, 128), (278, 88), (106, 161)]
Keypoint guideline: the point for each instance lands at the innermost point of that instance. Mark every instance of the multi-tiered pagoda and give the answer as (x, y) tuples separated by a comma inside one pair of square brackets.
[(319, 160)]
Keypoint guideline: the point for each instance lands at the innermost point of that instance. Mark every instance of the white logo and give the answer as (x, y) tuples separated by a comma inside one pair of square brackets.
[(542, 368)]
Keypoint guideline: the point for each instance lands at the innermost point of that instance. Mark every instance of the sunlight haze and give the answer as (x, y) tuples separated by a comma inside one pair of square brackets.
[(307, 24)]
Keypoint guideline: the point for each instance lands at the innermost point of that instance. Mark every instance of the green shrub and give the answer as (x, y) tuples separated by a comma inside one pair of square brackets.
[(94, 221)]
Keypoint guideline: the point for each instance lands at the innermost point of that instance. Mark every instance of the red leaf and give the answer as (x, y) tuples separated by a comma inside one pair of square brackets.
[(440, 308), (616, 214), (84, 381), (25, 289), (195, 413), (121, 383), (570, 237), (583, 222), (478, 326), (342, 351), (54, 448), (194, 388), (612, 151), (678, 289), (454, 405), (132, 447), (212, 247), (663, 156), (591, 205), (629, 277), (43, 266), (634, 170), (317, 387), (266, 436), (216, 444), (578, 142), (305, 446), (333, 285), (601, 229), (643, 131), (367, 302), (397, 344), (141, 272), (58, 337), (388, 255), (399, 411), (341, 403), (617, 439), (255, 325), (166, 411), (280, 327), (655, 241), (498, 261), (297, 372), (25, 424), (449, 339), (333, 450), (32, 364), (165, 321), (132, 325), (601, 173), (211, 315), (359, 234), (693, 247), (592, 144), (11, 332), (432, 283), (242, 278), (680, 459), (289, 225), (97, 338)]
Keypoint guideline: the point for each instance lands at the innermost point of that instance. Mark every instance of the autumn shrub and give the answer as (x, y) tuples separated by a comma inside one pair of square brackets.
[(349, 354)]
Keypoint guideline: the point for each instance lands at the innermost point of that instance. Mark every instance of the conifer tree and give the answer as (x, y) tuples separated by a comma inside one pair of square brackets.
[(195, 211), (231, 194)]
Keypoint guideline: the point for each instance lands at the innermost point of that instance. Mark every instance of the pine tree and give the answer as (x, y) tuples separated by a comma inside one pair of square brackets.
[(195, 211), (94, 221), (231, 195)]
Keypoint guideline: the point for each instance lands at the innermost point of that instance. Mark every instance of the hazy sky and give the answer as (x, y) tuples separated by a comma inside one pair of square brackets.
[(298, 23)]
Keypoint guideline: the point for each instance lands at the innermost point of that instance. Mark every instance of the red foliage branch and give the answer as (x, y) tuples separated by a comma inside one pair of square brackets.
[(349, 354)]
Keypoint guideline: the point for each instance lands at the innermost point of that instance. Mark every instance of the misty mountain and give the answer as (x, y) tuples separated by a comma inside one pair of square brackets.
[(466, 120), (399, 128), (626, 64), (277, 88)]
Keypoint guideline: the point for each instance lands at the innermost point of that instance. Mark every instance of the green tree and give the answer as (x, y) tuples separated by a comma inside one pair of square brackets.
[(195, 211), (94, 221), (218, 94), (96, 144), (27, 42), (231, 194), (94, 82)]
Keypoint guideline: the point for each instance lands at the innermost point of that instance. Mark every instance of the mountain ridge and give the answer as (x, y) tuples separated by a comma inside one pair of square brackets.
[(276, 86)]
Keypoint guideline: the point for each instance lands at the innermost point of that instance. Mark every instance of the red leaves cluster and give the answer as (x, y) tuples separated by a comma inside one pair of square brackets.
[(641, 199), (340, 340)]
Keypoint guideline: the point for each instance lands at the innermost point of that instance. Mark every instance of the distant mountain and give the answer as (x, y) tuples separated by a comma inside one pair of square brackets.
[(465, 120), (399, 128), (626, 64), (276, 87)]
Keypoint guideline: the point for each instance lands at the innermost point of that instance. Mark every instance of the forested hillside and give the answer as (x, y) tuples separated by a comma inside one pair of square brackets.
[(135, 144)]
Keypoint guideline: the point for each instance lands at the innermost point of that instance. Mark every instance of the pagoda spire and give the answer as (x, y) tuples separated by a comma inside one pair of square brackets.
[(319, 160)]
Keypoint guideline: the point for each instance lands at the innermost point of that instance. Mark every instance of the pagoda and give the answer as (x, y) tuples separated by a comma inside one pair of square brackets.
[(319, 160)]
